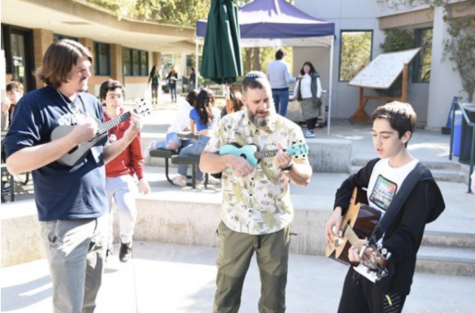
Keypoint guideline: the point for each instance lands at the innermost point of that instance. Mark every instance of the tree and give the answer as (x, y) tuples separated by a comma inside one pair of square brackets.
[(179, 12), (396, 40), (460, 47), (355, 53)]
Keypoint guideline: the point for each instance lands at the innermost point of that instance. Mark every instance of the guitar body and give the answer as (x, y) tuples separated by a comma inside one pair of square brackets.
[(246, 152), (361, 218), (79, 152)]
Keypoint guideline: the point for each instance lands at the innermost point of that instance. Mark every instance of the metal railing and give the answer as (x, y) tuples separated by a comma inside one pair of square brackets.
[(463, 107)]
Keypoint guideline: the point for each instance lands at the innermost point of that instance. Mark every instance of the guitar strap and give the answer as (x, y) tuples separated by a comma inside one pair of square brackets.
[(396, 204)]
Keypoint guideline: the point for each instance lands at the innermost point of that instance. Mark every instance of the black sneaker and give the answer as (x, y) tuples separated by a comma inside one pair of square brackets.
[(125, 251), (108, 252)]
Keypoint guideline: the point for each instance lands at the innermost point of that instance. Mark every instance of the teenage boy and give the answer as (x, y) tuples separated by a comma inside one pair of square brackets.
[(121, 186), (393, 125), (14, 94)]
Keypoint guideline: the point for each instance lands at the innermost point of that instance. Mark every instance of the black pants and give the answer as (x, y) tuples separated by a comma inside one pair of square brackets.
[(363, 296), (311, 123)]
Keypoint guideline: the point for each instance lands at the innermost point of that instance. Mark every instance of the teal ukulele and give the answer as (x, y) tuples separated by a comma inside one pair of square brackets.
[(252, 154)]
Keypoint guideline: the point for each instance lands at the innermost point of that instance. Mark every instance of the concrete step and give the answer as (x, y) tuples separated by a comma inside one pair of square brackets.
[(449, 239), (446, 260), (193, 222), (449, 175), (447, 253), (431, 164)]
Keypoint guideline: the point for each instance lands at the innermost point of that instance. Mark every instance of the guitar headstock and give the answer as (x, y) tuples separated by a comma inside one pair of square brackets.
[(297, 149), (143, 108), (376, 260)]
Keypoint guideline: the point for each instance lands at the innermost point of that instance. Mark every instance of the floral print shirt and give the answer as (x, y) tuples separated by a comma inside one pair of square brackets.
[(258, 203)]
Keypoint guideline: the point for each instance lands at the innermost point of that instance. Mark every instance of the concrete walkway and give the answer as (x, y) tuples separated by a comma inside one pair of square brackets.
[(174, 279), (167, 278)]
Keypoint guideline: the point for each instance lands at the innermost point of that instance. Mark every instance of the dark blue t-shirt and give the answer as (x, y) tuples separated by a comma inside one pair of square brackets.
[(61, 192)]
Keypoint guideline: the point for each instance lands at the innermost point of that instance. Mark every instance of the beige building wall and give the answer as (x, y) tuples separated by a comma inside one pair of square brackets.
[(42, 39), (116, 62)]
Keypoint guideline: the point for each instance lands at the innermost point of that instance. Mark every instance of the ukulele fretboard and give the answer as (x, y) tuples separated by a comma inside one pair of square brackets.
[(113, 122), (265, 154)]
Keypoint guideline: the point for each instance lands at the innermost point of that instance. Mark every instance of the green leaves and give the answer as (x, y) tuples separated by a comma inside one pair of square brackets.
[(179, 12), (460, 47)]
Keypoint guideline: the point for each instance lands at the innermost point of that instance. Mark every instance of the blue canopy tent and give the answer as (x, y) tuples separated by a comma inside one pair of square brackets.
[(276, 23)]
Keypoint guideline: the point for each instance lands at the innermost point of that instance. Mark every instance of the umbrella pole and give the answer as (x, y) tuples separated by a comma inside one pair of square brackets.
[(197, 71), (330, 88)]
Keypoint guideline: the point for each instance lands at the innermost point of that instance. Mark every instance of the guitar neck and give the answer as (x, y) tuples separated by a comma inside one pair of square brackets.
[(104, 127), (350, 234)]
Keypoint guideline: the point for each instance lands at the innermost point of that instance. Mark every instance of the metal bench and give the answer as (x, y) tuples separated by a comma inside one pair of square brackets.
[(194, 161), (178, 159), (11, 180), (166, 154)]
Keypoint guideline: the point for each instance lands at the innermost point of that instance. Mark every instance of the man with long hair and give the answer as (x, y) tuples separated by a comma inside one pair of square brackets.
[(71, 200)]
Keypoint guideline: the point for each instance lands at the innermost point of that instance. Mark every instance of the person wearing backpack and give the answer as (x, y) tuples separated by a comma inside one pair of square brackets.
[(308, 91), (154, 78)]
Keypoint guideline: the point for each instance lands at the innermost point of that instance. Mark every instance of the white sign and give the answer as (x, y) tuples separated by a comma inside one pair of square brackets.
[(383, 71)]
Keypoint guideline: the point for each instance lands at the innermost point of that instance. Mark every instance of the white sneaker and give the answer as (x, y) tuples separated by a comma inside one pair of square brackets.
[(150, 147), (309, 134), (213, 181), (179, 181)]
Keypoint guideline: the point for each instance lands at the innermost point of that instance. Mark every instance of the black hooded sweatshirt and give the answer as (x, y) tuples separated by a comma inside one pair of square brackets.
[(404, 235)]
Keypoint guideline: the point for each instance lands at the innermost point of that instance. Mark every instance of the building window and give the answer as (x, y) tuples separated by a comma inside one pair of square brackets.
[(422, 61), (355, 52), (144, 63), (135, 62), (102, 59), (57, 37), (126, 60)]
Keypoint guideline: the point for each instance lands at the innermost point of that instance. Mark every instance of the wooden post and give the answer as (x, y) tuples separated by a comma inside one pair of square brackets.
[(361, 96), (405, 73), (360, 115)]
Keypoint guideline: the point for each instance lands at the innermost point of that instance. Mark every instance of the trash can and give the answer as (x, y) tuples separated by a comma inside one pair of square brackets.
[(457, 132), (467, 132)]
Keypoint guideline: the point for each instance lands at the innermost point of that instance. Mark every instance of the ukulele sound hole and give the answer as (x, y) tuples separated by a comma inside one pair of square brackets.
[(72, 150)]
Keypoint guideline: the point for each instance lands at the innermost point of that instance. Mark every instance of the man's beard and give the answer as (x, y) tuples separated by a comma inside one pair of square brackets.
[(258, 121)]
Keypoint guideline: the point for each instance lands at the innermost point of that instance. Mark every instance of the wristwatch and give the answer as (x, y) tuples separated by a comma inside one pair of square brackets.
[(287, 169)]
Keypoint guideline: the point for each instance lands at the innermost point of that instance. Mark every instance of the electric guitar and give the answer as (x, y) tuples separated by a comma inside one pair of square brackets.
[(79, 152), (252, 154), (359, 222)]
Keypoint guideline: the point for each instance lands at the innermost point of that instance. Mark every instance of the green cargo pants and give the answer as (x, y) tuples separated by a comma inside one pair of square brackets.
[(235, 254)]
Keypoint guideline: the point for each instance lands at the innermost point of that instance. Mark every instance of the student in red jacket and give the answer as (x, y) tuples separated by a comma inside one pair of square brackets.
[(123, 171)]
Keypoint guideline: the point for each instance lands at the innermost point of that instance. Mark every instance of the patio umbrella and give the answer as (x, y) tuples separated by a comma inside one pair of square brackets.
[(221, 60)]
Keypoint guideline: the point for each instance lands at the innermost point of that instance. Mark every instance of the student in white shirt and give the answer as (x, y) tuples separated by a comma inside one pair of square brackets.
[(308, 91)]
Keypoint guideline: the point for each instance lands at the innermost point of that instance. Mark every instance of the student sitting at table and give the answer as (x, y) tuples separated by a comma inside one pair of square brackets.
[(180, 124), (236, 104), (203, 118)]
